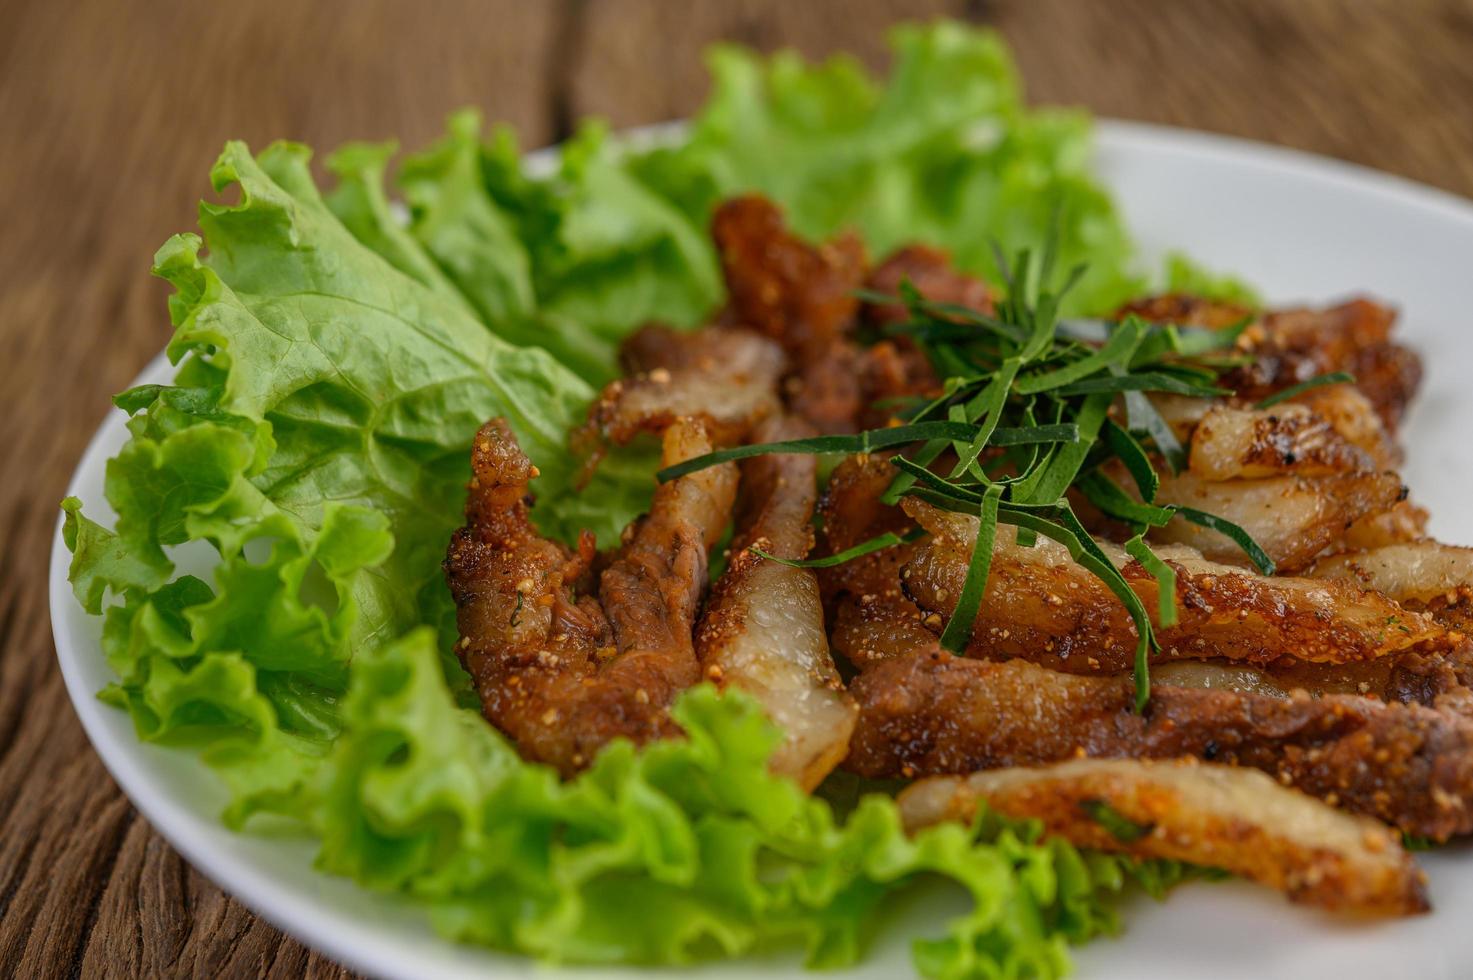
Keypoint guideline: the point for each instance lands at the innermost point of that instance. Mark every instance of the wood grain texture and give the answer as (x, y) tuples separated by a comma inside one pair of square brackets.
[(110, 114)]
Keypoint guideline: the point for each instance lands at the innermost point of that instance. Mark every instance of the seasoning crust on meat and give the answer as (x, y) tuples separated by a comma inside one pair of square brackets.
[(1214, 816), (558, 670), (935, 714), (1290, 720)]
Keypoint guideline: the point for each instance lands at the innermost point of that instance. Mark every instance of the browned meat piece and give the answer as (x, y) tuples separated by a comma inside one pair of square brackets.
[(763, 626), (560, 673), (1435, 680), (1043, 606), (892, 371), (801, 296), (1286, 475), (1293, 518), (1300, 482), (1290, 346), (934, 714), (1236, 443), (728, 378), (1402, 524), (1225, 817), (1389, 375), (1415, 571), (1426, 575), (930, 271), (1350, 413), (1187, 310), (720, 352), (871, 617)]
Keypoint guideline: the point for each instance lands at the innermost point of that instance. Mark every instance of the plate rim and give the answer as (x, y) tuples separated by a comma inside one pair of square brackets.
[(341, 935)]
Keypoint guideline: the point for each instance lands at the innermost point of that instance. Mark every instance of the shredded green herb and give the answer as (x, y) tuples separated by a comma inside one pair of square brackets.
[(1028, 409), (877, 543), (1318, 381)]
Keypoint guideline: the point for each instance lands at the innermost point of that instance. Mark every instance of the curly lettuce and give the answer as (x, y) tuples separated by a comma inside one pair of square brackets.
[(336, 353), (946, 153)]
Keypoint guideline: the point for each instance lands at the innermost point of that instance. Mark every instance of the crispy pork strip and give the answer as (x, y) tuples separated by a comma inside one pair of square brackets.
[(763, 630), (871, 618), (726, 377), (1416, 571), (1300, 482), (1290, 346), (714, 350), (1294, 518), (1438, 680), (1424, 575), (801, 296), (1402, 524), (1344, 407), (1351, 414), (934, 714), (1224, 817), (1236, 443), (563, 673), (1044, 607), (1288, 476)]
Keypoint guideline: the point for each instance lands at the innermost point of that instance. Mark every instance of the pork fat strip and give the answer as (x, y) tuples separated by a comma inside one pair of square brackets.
[(935, 714), (1043, 606), (1225, 817), (561, 672), (763, 628), (1290, 346), (726, 377), (1424, 575)]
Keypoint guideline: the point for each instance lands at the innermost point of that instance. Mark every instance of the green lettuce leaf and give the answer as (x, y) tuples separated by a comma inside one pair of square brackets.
[(945, 153), (1184, 275), (687, 849), (317, 438)]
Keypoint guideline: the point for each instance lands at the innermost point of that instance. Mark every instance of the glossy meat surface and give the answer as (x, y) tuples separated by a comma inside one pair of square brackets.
[(934, 714), (560, 671), (1043, 606), (1212, 816)]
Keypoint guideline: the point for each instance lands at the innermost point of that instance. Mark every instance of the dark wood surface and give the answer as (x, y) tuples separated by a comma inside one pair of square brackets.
[(111, 112)]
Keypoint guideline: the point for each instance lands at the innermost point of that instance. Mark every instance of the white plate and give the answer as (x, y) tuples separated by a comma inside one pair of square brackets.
[(1299, 227)]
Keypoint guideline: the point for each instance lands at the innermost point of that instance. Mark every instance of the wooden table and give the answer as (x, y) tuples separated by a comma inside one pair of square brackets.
[(111, 113)]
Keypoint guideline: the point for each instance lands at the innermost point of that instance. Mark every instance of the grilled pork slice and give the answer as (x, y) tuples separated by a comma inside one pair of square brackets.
[(763, 626), (1419, 571), (1291, 346), (1438, 680), (1042, 606), (728, 378), (1293, 518), (560, 672), (802, 296), (1424, 575), (1344, 408), (1239, 443), (934, 714), (1216, 816), (871, 618), (1302, 478)]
